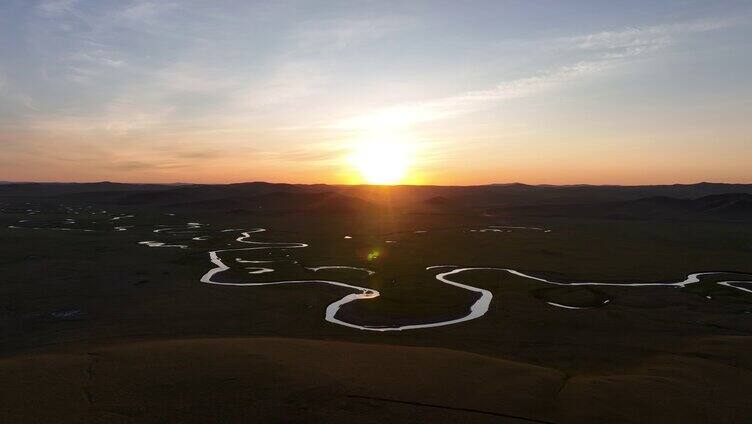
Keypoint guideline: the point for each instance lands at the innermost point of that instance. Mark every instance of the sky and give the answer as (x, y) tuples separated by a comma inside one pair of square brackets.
[(418, 92)]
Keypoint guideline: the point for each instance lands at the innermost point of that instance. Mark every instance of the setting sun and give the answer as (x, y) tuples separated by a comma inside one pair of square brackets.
[(382, 160)]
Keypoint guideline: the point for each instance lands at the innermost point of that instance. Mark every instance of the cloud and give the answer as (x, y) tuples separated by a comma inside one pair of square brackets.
[(132, 165), (199, 154), (604, 50), (410, 114), (141, 166), (642, 37), (98, 57), (311, 153), (92, 63), (56, 7), (145, 11), (185, 77), (287, 81), (342, 33)]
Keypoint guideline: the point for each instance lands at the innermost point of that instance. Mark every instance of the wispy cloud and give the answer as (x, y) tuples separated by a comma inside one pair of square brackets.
[(56, 7), (636, 37), (342, 33), (144, 11), (92, 62), (288, 81), (406, 115), (604, 51), (311, 153)]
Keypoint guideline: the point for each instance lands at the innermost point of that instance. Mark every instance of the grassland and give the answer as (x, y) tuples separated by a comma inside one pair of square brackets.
[(102, 328)]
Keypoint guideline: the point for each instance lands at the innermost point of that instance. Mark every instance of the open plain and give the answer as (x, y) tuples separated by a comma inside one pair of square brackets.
[(335, 304)]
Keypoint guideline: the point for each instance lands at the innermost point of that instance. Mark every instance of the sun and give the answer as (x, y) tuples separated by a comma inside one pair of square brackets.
[(382, 160)]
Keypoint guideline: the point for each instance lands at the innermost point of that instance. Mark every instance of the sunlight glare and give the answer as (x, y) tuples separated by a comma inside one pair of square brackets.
[(384, 160)]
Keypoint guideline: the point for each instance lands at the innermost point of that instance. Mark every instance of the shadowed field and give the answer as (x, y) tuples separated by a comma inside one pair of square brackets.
[(283, 380), (99, 326)]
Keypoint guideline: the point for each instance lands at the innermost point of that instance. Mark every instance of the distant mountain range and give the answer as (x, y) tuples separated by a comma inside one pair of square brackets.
[(731, 206), (679, 201)]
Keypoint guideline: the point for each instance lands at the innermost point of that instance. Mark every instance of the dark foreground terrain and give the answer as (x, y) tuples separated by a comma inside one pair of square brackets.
[(99, 326)]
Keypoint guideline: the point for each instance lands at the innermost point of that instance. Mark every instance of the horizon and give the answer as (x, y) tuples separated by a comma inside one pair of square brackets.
[(352, 93), (517, 183)]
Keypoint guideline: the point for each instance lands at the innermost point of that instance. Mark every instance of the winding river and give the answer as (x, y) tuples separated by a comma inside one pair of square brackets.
[(476, 310)]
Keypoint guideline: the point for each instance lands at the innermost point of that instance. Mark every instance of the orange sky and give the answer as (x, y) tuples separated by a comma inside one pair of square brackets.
[(140, 91)]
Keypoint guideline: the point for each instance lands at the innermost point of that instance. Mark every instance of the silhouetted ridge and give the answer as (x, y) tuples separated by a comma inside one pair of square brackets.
[(679, 201), (730, 206)]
